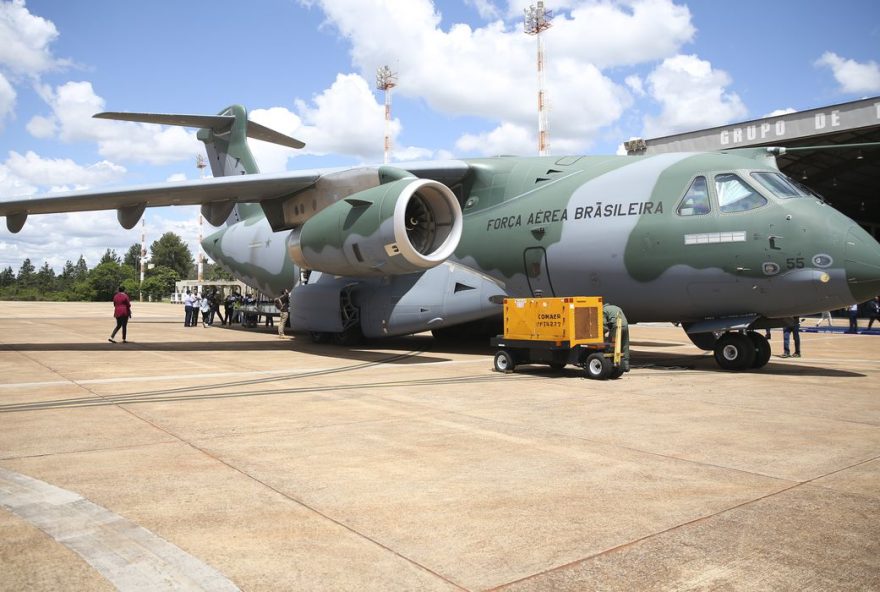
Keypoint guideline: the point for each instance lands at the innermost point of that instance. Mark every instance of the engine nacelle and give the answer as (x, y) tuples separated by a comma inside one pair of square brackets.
[(406, 226)]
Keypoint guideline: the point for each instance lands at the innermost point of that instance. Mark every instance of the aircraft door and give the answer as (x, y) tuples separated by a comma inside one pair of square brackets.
[(537, 274)]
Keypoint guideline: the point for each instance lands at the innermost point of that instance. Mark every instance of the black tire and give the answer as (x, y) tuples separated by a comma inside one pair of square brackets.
[(597, 366), (557, 365), (734, 351), (762, 349), (504, 362), (616, 373), (320, 337)]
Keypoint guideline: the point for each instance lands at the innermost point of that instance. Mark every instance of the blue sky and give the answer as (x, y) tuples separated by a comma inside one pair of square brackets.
[(615, 69)]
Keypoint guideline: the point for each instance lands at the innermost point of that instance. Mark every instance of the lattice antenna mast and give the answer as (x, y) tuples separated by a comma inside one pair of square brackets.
[(537, 19), (201, 164), (385, 81), (143, 260)]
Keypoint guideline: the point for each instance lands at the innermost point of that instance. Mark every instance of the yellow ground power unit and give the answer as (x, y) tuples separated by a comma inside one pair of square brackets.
[(569, 321), (579, 330)]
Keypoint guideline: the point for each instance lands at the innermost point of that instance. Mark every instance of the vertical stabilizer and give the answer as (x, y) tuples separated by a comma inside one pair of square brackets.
[(225, 137), (229, 154)]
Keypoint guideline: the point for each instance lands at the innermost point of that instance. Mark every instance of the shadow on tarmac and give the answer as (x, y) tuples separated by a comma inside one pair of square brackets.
[(414, 349), (380, 355)]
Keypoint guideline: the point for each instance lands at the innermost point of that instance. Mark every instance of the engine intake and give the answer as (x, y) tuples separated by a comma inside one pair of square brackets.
[(405, 226)]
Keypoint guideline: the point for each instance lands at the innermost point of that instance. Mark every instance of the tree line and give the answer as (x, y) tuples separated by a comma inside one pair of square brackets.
[(170, 261)]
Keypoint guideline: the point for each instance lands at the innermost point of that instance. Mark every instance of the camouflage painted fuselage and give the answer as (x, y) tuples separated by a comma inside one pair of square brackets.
[(610, 226)]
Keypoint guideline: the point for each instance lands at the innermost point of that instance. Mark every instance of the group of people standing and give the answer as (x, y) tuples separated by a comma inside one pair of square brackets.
[(793, 332), (206, 304)]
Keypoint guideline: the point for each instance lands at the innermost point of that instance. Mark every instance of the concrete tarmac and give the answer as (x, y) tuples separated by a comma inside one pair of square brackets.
[(222, 458)]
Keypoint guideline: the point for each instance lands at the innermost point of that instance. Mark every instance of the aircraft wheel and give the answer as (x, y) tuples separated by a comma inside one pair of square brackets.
[(734, 351), (762, 349), (320, 337), (597, 366), (504, 362)]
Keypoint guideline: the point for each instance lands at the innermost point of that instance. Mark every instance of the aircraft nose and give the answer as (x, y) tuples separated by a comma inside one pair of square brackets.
[(862, 263)]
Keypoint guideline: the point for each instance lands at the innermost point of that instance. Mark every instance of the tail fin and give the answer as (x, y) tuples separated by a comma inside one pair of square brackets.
[(225, 138)]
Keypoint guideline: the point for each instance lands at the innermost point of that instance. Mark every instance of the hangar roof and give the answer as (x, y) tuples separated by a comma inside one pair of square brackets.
[(848, 178)]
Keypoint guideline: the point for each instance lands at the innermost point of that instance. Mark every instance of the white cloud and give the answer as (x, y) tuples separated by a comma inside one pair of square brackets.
[(26, 39), (344, 119), (42, 127), (490, 71), (30, 170), (778, 112), (692, 95), (74, 103), (507, 138), (12, 186), (7, 99), (853, 76), (485, 8), (410, 153), (636, 85), (611, 34)]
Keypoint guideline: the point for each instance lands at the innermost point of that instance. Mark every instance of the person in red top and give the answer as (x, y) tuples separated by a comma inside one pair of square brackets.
[(122, 312)]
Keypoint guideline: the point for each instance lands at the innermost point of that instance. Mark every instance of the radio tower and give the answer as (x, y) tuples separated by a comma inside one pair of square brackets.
[(385, 81), (143, 258), (537, 20), (200, 258)]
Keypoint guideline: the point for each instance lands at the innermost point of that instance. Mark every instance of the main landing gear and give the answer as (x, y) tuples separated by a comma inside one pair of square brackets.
[(742, 351)]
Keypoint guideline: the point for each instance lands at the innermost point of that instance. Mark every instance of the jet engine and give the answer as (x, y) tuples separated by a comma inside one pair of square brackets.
[(401, 227)]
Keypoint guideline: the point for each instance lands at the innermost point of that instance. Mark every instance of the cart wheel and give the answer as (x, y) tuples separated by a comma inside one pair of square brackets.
[(616, 373), (557, 365), (504, 361), (597, 366)]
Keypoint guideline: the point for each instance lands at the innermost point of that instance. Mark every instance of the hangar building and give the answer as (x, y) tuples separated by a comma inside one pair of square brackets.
[(848, 178)]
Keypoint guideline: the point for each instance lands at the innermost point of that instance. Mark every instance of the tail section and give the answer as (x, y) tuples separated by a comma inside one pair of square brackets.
[(225, 138), (228, 152)]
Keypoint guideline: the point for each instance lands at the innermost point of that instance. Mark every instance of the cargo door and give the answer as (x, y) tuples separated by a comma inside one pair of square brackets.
[(537, 274)]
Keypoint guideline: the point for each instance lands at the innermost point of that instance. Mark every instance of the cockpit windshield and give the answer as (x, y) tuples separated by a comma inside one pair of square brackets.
[(735, 195), (781, 185)]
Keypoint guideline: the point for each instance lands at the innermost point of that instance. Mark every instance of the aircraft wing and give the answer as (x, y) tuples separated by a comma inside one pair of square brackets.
[(218, 195), (129, 201)]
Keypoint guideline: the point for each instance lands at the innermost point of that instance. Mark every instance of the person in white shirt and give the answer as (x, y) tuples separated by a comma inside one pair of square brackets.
[(854, 318), (187, 309)]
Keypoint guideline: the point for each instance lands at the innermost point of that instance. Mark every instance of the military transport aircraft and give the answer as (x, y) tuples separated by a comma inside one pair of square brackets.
[(722, 243)]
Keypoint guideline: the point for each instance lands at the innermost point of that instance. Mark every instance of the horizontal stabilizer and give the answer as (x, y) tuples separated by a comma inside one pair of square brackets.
[(216, 123)]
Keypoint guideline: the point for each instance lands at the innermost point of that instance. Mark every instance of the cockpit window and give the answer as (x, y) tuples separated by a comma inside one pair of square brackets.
[(696, 200), (735, 195), (780, 185)]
